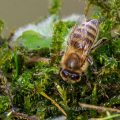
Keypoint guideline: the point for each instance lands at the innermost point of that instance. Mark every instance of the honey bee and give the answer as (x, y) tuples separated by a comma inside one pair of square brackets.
[(76, 58)]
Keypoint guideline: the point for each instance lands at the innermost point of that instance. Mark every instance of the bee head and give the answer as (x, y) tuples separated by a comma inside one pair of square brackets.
[(69, 76)]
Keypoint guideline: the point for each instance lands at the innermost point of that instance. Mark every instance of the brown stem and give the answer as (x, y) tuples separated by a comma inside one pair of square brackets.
[(99, 108)]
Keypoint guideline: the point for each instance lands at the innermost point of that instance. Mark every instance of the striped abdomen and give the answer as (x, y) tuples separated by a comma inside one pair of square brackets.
[(83, 36)]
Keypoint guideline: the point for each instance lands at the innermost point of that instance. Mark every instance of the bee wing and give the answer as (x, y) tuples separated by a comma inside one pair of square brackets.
[(80, 41), (82, 38), (78, 37)]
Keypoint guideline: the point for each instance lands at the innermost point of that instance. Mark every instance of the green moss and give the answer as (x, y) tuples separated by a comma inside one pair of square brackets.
[(4, 103), (55, 6), (60, 31), (1, 26), (36, 88)]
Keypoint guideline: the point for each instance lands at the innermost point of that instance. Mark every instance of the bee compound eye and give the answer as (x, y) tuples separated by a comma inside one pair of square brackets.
[(65, 73), (75, 76)]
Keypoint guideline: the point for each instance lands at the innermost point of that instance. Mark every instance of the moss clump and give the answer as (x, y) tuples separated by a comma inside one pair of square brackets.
[(32, 88)]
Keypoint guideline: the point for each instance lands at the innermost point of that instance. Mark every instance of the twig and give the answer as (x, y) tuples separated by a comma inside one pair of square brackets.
[(106, 118), (99, 108), (53, 101), (23, 116), (38, 59)]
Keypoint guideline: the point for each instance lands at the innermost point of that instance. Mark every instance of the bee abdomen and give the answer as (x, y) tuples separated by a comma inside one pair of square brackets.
[(92, 29), (84, 34)]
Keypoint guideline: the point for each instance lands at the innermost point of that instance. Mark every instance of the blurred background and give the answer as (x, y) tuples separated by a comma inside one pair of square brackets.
[(16, 13)]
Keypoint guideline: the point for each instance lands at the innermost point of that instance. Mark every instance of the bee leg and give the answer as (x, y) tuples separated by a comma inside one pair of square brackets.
[(90, 60), (99, 43), (92, 66)]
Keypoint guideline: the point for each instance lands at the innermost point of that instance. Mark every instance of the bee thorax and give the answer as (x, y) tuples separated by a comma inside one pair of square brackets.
[(73, 62)]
